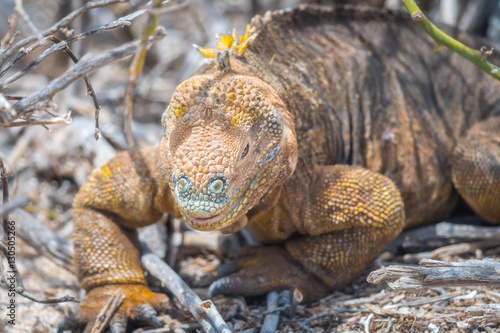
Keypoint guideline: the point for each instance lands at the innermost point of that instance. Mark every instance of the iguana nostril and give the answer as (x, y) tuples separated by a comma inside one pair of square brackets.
[(216, 186)]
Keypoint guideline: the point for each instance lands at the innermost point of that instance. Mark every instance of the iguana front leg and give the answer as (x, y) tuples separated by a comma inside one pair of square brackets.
[(475, 169), (123, 194), (351, 216)]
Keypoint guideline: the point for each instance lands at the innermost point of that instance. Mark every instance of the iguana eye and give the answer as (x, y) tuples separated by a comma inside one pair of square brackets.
[(245, 151), (183, 185)]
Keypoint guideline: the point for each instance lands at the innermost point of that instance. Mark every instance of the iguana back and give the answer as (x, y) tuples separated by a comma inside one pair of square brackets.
[(368, 88)]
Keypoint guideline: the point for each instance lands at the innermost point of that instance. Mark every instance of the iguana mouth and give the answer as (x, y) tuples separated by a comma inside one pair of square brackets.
[(217, 221), (205, 220)]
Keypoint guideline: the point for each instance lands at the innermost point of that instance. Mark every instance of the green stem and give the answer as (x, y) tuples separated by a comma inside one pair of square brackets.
[(474, 56)]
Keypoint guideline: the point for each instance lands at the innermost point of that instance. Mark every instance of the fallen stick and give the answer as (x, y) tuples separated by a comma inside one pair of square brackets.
[(204, 311), (444, 233), (488, 313), (434, 273), (271, 319), (449, 250)]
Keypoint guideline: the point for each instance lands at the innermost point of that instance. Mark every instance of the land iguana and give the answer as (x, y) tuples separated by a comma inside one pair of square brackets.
[(324, 131)]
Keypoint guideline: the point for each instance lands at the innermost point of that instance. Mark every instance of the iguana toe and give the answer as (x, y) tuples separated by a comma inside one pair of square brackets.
[(139, 304)]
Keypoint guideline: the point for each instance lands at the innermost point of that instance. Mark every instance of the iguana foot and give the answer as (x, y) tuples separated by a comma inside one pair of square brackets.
[(258, 270), (140, 304)]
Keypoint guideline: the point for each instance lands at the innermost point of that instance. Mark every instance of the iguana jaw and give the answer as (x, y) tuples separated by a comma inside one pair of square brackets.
[(217, 221)]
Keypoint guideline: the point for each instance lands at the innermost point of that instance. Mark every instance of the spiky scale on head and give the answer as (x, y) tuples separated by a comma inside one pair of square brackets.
[(218, 58)]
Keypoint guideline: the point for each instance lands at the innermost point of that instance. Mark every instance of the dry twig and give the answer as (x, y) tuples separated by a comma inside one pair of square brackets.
[(64, 45), (9, 252), (14, 204), (271, 320), (104, 317), (450, 250), (20, 290), (61, 25)]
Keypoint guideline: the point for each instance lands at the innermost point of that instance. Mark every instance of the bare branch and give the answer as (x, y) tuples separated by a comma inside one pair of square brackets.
[(4, 104), (43, 240), (450, 250), (88, 84), (63, 45), (135, 70), (18, 56), (58, 26), (20, 286), (12, 264), (85, 66)]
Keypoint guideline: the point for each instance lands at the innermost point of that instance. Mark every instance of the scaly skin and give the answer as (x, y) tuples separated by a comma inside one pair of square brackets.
[(318, 130)]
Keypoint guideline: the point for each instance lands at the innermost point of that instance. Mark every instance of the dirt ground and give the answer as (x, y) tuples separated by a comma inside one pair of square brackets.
[(49, 164)]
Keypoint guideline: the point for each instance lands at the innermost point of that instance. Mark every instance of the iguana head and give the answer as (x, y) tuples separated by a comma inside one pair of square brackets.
[(228, 141)]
